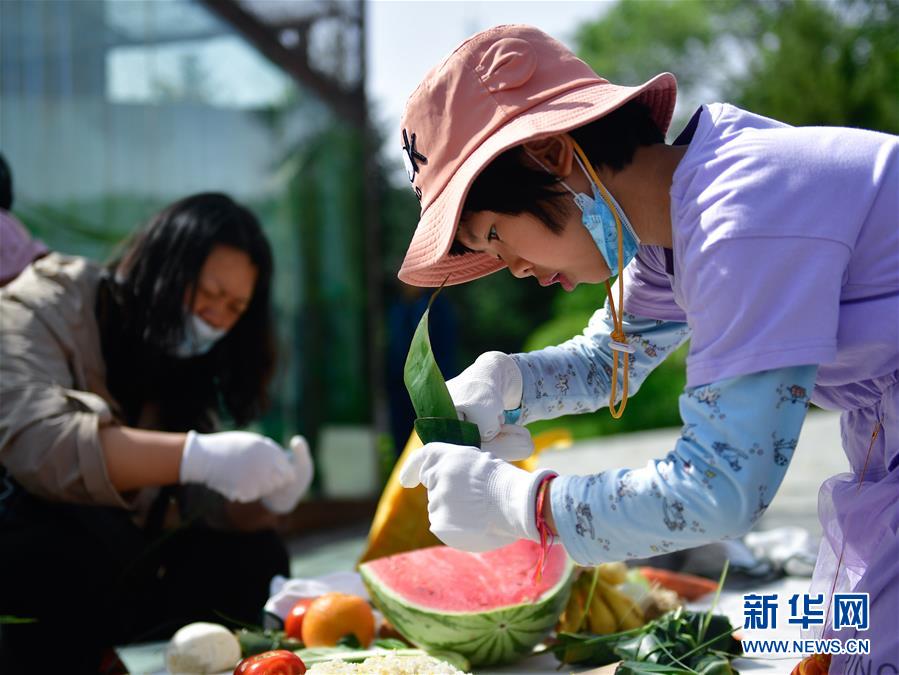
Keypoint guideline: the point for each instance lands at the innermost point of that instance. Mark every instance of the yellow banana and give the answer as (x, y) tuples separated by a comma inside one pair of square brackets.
[(613, 573), (571, 618), (626, 611), (600, 619)]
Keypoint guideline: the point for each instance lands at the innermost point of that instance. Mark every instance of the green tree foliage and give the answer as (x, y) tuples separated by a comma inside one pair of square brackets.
[(638, 39), (800, 61), (824, 63)]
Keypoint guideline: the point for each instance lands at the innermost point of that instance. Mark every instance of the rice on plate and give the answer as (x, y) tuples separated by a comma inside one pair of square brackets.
[(389, 664)]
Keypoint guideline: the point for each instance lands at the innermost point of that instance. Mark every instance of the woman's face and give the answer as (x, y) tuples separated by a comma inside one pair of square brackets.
[(530, 249), (224, 287)]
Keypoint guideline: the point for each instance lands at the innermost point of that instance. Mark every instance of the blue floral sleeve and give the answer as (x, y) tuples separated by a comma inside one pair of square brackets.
[(576, 376), (737, 441)]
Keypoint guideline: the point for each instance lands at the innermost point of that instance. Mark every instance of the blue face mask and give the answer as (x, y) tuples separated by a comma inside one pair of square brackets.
[(599, 220), (199, 337)]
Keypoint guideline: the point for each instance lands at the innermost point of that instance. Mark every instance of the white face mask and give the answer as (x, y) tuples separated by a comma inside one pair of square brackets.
[(199, 337)]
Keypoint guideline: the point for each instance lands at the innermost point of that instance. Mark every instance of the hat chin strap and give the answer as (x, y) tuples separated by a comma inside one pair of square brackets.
[(618, 343)]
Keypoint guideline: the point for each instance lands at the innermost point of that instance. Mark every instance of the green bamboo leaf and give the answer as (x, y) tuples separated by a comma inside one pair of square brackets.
[(643, 668), (600, 654), (589, 601), (713, 664), (714, 605), (446, 430), (643, 647), (588, 649), (437, 419), (423, 378)]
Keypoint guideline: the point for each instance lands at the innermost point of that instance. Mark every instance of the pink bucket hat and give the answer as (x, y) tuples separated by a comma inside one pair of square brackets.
[(498, 89)]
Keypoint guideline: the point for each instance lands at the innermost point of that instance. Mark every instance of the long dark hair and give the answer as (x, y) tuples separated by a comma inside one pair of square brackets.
[(141, 312)]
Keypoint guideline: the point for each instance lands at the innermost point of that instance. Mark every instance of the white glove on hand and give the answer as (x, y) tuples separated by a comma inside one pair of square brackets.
[(482, 392), (285, 499), (240, 465), (476, 502)]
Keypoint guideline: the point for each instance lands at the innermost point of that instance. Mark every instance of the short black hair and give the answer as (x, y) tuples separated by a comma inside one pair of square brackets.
[(5, 184), (141, 312), (510, 186)]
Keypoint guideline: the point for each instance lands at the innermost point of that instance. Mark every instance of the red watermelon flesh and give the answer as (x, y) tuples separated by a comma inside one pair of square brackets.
[(486, 606), (444, 578)]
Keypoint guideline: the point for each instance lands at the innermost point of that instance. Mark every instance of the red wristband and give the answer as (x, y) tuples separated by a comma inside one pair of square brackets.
[(547, 538)]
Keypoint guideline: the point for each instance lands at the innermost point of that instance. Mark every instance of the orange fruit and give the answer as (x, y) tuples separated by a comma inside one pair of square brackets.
[(333, 616), (816, 664)]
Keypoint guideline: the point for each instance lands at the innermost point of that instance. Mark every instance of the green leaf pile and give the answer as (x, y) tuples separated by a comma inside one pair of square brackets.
[(674, 643)]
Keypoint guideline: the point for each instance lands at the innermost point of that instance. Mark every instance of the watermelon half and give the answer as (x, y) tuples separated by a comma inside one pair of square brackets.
[(485, 606)]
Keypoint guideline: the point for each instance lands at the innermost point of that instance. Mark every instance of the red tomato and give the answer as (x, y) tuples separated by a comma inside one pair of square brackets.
[(293, 624), (278, 662)]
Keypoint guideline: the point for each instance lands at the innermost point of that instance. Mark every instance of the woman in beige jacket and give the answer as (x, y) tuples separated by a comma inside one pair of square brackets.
[(123, 513)]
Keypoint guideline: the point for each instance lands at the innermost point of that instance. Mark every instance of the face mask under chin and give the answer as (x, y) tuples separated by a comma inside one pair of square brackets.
[(598, 218)]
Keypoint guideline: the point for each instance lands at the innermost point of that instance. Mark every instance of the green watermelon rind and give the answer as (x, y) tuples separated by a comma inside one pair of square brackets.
[(479, 636)]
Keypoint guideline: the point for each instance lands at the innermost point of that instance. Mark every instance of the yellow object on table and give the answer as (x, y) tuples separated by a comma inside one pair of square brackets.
[(597, 605), (401, 519)]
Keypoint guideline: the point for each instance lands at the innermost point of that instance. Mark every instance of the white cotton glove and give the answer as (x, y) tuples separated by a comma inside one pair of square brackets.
[(285, 499), (476, 502), (482, 393), (240, 465)]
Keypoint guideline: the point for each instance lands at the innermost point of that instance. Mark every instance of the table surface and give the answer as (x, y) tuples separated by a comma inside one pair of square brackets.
[(149, 659), (817, 456)]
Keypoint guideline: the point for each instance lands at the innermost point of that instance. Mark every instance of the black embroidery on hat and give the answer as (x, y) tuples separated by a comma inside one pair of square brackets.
[(412, 155)]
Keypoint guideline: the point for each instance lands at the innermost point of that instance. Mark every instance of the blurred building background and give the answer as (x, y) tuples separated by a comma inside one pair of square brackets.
[(110, 109)]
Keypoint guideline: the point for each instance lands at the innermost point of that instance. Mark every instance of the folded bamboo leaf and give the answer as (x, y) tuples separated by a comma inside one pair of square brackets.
[(446, 430), (423, 378)]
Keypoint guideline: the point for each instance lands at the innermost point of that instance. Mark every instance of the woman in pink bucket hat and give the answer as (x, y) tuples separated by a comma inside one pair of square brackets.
[(774, 249)]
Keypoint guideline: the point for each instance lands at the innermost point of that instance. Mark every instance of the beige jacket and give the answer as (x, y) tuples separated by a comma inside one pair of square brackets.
[(53, 395), (54, 400)]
